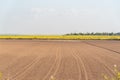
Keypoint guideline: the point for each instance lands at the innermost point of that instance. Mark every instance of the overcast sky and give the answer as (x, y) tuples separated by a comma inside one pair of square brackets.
[(59, 16)]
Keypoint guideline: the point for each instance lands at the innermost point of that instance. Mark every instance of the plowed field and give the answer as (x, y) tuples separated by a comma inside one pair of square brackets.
[(64, 60)]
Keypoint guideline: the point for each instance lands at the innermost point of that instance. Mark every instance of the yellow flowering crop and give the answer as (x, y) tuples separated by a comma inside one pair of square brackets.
[(62, 37)]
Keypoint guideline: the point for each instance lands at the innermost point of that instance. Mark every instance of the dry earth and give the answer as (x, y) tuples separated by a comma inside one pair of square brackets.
[(65, 60)]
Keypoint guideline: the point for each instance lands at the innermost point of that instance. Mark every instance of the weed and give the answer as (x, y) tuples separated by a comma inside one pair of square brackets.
[(52, 78), (0, 75), (116, 77)]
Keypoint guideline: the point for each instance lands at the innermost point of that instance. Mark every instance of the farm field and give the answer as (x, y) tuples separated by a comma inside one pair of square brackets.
[(62, 37), (62, 59)]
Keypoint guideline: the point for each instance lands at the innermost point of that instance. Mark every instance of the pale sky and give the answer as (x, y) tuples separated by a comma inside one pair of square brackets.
[(59, 16)]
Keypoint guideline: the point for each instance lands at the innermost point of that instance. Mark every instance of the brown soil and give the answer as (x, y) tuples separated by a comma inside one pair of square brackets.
[(65, 60)]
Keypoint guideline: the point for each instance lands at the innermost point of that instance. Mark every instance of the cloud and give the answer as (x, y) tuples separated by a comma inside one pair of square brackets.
[(67, 12), (71, 12), (55, 12), (36, 10)]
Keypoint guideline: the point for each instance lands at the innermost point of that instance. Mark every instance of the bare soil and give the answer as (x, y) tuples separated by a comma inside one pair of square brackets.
[(65, 60)]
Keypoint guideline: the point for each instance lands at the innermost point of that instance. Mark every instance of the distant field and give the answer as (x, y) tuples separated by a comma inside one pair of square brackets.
[(62, 37)]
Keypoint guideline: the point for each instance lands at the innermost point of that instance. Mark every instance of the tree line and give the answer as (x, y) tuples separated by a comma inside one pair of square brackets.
[(94, 33)]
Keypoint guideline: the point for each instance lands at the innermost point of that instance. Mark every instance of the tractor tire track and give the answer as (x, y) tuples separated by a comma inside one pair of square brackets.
[(98, 60), (78, 65), (101, 61), (52, 67), (83, 69), (58, 62), (28, 67), (101, 47)]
